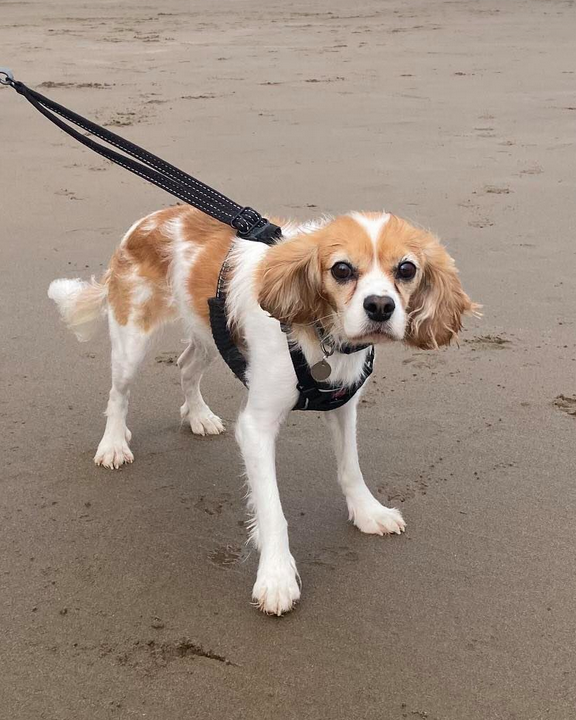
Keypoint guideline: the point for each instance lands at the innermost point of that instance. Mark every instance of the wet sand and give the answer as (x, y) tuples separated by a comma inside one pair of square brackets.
[(126, 594)]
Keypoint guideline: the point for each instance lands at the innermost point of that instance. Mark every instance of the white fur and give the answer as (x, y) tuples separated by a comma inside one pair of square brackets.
[(129, 347), (272, 394), (80, 304), (356, 323), (363, 509), (184, 254), (372, 225)]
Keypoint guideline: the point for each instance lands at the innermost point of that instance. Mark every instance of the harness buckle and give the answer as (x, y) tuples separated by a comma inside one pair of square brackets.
[(8, 76), (246, 220), (252, 226)]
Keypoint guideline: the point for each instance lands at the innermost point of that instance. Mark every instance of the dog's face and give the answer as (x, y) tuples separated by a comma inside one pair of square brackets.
[(366, 277)]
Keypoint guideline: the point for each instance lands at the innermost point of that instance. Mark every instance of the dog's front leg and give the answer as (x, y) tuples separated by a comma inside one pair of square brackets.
[(363, 509), (276, 589)]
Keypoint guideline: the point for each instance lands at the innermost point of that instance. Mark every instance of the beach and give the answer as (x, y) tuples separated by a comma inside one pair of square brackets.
[(126, 594)]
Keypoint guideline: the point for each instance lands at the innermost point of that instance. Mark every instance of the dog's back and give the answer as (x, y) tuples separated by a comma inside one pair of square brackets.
[(148, 280)]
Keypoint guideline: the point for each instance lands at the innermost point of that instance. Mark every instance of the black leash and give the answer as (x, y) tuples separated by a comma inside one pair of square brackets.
[(248, 223), (313, 394)]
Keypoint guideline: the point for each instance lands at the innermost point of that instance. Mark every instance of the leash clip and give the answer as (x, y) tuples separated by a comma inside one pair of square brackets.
[(246, 221), (8, 78), (250, 225)]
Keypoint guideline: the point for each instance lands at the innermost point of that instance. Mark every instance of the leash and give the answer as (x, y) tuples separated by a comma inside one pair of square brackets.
[(313, 392), (248, 223)]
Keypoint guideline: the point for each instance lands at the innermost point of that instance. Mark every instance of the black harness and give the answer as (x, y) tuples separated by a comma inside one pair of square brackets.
[(312, 394), (250, 225)]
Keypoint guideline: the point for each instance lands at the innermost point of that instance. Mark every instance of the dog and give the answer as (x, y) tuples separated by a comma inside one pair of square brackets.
[(364, 278)]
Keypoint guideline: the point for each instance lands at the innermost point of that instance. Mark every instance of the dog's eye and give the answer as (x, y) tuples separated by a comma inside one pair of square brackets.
[(342, 271), (406, 270)]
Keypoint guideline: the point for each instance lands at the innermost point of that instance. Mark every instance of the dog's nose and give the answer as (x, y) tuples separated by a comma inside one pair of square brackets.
[(379, 307)]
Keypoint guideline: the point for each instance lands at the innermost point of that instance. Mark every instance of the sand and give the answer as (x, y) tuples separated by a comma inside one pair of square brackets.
[(126, 594)]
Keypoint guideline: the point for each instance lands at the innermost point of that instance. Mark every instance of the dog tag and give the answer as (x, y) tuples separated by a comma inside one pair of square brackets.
[(321, 371)]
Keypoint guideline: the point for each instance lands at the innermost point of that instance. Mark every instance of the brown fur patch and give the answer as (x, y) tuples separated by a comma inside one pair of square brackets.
[(119, 286), (438, 302), (295, 285), (289, 281), (214, 240), (142, 261)]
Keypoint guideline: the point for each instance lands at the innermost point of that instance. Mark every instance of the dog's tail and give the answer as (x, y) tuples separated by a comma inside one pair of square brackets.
[(81, 304)]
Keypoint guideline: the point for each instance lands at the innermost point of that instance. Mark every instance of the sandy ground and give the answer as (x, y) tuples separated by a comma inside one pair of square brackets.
[(125, 594)]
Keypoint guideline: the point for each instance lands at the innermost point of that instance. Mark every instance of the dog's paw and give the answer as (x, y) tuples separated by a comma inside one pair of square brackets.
[(202, 422), (114, 453), (276, 590), (372, 518)]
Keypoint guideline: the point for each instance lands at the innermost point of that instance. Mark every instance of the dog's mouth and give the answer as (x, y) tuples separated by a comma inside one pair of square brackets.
[(378, 334)]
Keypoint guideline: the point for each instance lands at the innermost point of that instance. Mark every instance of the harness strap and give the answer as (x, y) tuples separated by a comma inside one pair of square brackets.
[(219, 325), (312, 395), (321, 396), (247, 222)]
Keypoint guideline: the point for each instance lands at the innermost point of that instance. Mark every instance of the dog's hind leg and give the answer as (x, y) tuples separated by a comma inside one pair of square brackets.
[(129, 345), (192, 363)]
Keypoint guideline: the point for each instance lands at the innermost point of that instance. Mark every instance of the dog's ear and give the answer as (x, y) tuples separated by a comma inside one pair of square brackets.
[(436, 307), (290, 281)]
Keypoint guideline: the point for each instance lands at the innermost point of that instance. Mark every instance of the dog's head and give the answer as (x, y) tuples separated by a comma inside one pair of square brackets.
[(366, 277)]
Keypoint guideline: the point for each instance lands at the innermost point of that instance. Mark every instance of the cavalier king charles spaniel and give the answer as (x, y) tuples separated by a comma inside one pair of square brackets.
[(364, 278)]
